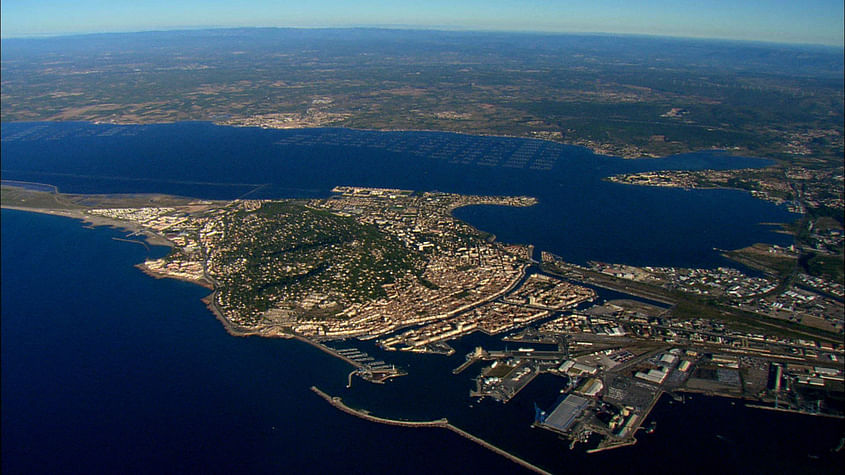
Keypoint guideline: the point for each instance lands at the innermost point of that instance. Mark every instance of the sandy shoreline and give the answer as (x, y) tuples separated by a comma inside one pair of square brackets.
[(94, 221)]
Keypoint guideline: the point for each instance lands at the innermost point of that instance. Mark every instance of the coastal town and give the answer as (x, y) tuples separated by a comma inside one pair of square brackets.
[(800, 188), (395, 268), (396, 237), (537, 298), (361, 264)]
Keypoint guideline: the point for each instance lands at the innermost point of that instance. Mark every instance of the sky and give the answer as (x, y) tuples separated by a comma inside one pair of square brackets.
[(781, 21)]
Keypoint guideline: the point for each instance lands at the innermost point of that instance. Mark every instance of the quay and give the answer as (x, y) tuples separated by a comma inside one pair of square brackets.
[(534, 355), (614, 445), (508, 396), (630, 432), (466, 364), (803, 413), (443, 423)]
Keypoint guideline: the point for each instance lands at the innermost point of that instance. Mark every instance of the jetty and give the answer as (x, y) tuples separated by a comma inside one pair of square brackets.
[(135, 241), (365, 366), (466, 364), (443, 423), (338, 403)]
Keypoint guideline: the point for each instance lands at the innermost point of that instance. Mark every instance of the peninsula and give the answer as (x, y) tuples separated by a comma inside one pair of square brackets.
[(362, 263), (396, 267)]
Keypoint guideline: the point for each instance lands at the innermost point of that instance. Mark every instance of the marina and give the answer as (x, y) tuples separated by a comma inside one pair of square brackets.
[(367, 367)]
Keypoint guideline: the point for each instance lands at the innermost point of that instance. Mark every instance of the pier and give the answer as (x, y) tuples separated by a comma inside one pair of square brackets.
[(493, 448), (794, 411), (330, 351), (629, 438), (466, 364), (443, 423), (365, 366), (338, 403), (147, 247)]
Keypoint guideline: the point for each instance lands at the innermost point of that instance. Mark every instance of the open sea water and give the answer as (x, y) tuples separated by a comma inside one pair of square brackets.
[(579, 216)]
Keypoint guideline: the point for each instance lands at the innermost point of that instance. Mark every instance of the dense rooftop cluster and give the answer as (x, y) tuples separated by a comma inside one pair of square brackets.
[(362, 264)]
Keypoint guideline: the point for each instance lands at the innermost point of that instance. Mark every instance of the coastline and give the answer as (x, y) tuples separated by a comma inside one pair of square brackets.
[(265, 331), (156, 275), (90, 221), (375, 408), (230, 327), (152, 239), (595, 150)]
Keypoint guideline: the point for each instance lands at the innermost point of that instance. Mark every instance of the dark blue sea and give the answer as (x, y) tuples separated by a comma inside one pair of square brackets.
[(579, 217), (107, 370)]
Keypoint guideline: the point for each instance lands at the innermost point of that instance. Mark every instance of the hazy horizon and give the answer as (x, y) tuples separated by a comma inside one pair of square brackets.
[(818, 22), (415, 28)]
